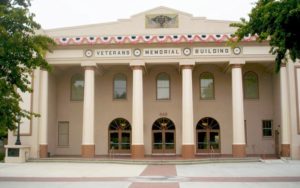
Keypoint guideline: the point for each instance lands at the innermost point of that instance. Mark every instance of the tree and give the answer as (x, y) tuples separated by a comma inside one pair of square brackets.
[(277, 21), (21, 51)]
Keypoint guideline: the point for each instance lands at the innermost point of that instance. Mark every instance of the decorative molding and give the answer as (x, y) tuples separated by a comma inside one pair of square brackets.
[(148, 39)]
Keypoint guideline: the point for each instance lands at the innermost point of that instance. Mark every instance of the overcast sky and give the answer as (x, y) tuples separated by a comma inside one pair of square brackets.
[(64, 13)]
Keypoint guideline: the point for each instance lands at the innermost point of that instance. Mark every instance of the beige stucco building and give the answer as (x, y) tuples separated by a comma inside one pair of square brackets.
[(161, 83)]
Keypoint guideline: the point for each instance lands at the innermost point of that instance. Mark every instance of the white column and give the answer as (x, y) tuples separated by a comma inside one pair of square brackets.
[(43, 128), (188, 141), (137, 112), (238, 148), (88, 140), (284, 101), (88, 107)]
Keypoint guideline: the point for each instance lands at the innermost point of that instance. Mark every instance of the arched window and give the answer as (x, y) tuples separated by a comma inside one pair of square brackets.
[(120, 87), (208, 135), (250, 85), (207, 88), (119, 136), (163, 136), (77, 87), (163, 86)]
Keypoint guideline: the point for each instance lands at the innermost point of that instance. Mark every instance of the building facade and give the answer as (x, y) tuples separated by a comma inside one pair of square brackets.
[(161, 83)]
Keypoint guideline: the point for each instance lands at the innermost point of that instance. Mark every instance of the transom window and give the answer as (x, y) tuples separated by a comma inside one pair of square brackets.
[(207, 88), (120, 87), (250, 85), (163, 86), (77, 87), (267, 128)]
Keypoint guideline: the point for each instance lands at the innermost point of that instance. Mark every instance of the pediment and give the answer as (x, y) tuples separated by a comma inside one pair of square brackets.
[(157, 21)]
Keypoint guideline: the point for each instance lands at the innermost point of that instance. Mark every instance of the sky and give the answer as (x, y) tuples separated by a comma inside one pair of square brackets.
[(64, 13)]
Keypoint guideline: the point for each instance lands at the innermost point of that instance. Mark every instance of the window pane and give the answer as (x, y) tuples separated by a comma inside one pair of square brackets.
[(206, 86), (169, 140), (250, 85), (63, 140), (202, 140), (77, 87), (120, 87), (63, 133), (214, 140), (267, 128), (114, 140), (163, 93), (125, 141), (163, 86), (163, 83), (157, 140)]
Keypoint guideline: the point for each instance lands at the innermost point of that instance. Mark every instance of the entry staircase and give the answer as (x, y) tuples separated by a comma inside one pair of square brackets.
[(148, 160)]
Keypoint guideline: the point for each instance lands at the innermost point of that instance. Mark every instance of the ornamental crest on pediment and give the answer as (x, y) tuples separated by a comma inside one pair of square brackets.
[(161, 21)]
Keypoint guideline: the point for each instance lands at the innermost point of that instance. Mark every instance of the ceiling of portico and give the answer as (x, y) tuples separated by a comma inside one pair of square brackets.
[(267, 67)]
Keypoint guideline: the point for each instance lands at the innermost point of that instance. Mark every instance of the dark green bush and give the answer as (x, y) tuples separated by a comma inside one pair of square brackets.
[(2, 155)]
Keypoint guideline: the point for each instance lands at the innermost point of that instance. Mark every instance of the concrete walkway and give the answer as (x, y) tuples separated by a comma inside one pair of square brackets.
[(271, 173)]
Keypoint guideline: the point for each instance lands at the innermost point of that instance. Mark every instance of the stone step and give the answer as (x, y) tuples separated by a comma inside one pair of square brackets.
[(149, 161)]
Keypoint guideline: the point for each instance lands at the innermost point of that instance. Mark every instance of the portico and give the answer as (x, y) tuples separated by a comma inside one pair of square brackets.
[(139, 73)]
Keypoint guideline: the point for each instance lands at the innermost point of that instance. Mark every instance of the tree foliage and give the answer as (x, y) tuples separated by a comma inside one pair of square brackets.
[(21, 51), (277, 21)]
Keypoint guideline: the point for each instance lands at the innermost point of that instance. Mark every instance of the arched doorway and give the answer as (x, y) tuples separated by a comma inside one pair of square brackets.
[(119, 132), (163, 136), (208, 135)]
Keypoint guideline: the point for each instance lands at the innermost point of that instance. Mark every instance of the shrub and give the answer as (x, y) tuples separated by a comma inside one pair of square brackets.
[(2, 155)]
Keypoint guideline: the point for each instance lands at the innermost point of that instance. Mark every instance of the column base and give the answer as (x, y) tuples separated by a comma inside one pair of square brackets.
[(285, 150), (188, 151), (137, 151), (239, 150), (88, 151), (43, 150)]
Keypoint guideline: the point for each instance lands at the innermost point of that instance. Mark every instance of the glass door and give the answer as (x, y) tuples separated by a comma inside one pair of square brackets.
[(163, 136), (169, 144), (208, 136), (119, 136)]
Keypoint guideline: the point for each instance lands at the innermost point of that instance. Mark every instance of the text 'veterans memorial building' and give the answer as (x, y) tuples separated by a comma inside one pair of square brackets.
[(161, 83)]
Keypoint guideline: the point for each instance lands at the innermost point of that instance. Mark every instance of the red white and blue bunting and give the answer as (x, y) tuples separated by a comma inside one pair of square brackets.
[(150, 39)]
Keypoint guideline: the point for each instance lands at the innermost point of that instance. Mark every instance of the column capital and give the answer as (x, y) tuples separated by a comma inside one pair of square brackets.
[(43, 69), (237, 62), (187, 64), (283, 64), (88, 64), (137, 63), (236, 65)]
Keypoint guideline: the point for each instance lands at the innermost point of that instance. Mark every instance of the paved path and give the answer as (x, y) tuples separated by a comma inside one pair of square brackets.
[(272, 173)]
